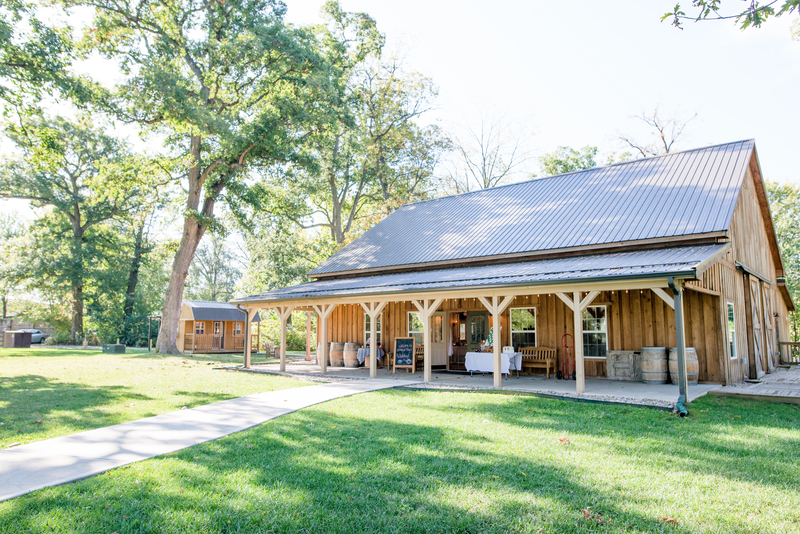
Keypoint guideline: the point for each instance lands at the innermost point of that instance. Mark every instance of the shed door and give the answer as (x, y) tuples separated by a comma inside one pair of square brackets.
[(758, 330), (769, 322), (217, 339)]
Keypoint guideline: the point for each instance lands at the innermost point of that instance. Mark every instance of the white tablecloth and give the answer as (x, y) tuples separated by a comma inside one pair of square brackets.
[(363, 354), (483, 362)]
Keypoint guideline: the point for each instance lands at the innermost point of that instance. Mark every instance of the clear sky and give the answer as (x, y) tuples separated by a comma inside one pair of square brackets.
[(576, 71)]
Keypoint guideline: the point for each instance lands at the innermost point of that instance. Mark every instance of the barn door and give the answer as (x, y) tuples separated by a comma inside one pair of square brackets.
[(758, 329), (769, 322)]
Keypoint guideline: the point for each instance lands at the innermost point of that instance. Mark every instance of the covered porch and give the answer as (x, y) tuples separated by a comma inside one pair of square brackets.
[(441, 310)]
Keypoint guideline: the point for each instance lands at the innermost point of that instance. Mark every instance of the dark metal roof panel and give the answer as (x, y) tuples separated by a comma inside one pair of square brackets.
[(684, 193), (203, 310), (619, 265)]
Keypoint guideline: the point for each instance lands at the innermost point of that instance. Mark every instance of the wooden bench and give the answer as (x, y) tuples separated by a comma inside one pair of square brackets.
[(537, 357)]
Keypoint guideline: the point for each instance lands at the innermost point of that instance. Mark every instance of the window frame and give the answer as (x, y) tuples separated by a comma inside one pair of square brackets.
[(511, 325), (731, 309), (201, 325), (584, 331), (380, 328), (412, 332), (238, 328)]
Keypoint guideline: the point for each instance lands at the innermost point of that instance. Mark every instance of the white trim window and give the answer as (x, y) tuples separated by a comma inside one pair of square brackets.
[(595, 332), (415, 327), (732, 330), (523, 327), (237, 328), (200, 328), (367, 326)]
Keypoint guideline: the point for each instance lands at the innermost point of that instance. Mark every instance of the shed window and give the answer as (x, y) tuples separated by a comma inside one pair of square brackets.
[(237, 329), (523, 327), (732, 330), (368, 325), (200, 328), (415, 327), (595, 332)]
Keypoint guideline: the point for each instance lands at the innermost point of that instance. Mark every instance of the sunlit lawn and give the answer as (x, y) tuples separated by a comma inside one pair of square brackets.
[(435, 461), (46, 393)]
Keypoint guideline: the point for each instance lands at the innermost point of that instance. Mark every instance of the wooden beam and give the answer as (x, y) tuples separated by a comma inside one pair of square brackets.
[(588, 299), (373, 310), (284, 312), (577, 318), (670, 300), (323, 312), (568, 301), (251, 313)]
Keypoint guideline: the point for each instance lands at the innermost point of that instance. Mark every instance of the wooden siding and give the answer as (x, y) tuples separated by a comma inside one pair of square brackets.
[(635, 319)]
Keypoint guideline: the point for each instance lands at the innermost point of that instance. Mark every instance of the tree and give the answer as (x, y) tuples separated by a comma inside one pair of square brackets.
[(784, 201), (486, 155), (226, 84), (85, 179), (10, 248), (565, 159), (666, 132), (214, 272), (754, 14)]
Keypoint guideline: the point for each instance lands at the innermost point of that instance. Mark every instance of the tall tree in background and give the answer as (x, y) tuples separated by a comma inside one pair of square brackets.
[(784, 201), (214, 272), (665, 131), (754, 13), (565, 159), (487, 154), (223, 81), (10, 249), (82, 175)]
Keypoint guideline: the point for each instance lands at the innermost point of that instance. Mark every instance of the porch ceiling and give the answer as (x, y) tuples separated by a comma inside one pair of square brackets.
[(678, 262)]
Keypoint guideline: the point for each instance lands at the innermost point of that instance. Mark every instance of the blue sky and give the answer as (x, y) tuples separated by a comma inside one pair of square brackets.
[(576, 71)]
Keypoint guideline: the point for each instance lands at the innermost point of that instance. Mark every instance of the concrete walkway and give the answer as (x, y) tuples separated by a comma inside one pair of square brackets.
[(56, 461)]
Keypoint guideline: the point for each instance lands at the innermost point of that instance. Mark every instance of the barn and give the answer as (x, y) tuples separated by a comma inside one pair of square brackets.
[(672, 251)]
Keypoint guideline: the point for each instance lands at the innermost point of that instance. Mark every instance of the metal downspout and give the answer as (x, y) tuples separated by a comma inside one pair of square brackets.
[(680, 342)]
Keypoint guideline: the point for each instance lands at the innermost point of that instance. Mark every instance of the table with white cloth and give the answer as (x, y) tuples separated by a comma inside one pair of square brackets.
[(363, 354), (483, 362)]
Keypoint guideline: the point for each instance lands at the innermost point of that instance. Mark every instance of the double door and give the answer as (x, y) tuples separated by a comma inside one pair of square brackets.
[(218, 336), (477, 329)]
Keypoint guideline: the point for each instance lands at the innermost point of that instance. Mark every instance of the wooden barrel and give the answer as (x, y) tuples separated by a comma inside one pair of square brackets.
[(692, 365), (351, 354), (654, 365), (337, 354)]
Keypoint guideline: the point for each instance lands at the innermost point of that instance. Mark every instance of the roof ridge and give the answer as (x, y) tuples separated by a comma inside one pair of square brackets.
[(752, 140)]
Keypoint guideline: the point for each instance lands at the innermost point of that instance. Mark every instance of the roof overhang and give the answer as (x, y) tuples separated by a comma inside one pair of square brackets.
[(616, 271), (787, 297)]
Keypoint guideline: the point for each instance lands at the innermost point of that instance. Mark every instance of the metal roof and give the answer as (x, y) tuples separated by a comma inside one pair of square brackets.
[(652, 263), (203, 310), (679, 194)]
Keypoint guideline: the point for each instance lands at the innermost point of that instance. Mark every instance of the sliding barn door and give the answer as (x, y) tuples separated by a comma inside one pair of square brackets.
[(769, 323), (758, 326)]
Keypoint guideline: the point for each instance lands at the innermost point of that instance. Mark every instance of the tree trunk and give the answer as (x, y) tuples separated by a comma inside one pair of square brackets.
[(5, 306), (76, 331), (192, 233), (133, 274)]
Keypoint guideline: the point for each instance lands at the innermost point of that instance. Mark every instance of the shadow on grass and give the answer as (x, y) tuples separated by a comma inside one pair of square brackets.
[(26, 399), (334, 473)]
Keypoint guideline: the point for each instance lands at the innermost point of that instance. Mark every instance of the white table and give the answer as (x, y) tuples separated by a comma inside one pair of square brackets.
[(483, 362), (363, 354)]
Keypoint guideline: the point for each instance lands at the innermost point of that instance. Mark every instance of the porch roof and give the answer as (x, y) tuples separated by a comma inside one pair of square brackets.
[(203, 310), (679, 262)]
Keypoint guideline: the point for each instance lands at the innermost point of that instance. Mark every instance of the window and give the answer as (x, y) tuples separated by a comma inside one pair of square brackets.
[(595, 332), (415, 327), (367, 326), (523, 327), (237, 329), (200, 328), (732, 330)]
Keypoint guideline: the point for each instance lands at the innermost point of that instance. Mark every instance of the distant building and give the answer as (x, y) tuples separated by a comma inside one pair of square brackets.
[(213, 327)]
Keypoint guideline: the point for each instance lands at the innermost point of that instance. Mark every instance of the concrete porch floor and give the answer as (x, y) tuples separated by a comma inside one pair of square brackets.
[(599, 389)]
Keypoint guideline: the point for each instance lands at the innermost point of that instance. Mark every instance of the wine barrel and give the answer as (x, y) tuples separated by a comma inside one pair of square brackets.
[(337, 355), (654, 365), (351, 354), (692, 365)]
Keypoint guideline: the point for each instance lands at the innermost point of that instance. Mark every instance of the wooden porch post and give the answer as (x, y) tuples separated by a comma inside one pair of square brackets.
[(580, 370), (426, 308), (308, 335), (284, 312), (323, 312), (373, 309), (496, 307), (251, 313), (680, 338)]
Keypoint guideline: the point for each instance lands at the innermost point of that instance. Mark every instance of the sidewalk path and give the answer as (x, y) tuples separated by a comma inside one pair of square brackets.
[(56, 461)]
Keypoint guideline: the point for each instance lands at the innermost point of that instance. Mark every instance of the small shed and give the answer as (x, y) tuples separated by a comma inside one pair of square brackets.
[(214, 327)]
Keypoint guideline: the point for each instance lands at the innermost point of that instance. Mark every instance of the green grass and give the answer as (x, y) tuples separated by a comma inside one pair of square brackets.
[(46, 393), (436, 461)]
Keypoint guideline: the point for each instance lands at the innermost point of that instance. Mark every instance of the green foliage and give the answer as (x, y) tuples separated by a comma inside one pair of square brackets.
[(754, 14), (784, 201), (295, 332), (565, 159), (214, 271)]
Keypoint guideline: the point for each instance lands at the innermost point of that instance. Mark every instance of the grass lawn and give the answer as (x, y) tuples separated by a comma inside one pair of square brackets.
[(436, 461), (46, 393)]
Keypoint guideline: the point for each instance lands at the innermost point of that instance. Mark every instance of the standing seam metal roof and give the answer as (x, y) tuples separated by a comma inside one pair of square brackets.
[(684, 193), (653, 263)]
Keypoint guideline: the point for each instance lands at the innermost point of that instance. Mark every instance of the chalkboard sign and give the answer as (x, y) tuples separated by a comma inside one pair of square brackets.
[(404, 354)]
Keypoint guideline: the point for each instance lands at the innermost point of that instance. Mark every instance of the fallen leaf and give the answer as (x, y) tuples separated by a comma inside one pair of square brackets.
[(564, 441), (39, 422), (523, 474), (249, 446), (670, 520)]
